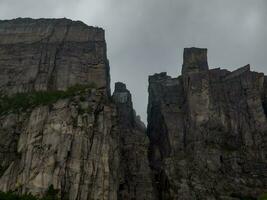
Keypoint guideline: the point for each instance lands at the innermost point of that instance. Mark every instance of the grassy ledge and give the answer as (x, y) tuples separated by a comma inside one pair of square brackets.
[(51, 194), (23, 101)]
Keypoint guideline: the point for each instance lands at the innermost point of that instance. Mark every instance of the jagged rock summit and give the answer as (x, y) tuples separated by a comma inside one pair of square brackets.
[(208, 132)]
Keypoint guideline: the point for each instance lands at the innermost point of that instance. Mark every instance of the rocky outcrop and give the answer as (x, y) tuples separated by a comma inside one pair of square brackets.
[(135, 174), (59, 124), (208, 132)]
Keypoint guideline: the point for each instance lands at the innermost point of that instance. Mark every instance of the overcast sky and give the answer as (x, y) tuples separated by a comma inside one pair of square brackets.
[(148, 36)]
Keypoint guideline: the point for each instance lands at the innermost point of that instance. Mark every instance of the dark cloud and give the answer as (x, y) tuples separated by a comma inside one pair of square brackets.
[(148, 36)]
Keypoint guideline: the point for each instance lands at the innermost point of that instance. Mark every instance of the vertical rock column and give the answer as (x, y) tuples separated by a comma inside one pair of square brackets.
[(135, 175), (166, 130), (196, 85)]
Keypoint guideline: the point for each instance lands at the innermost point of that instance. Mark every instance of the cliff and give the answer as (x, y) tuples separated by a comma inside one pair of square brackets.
[(51, 54), (135, 173), (59, 125), (208, 132)]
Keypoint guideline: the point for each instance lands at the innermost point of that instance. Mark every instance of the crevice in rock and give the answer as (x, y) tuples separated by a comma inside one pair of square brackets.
[(52, 82), (264, 106)]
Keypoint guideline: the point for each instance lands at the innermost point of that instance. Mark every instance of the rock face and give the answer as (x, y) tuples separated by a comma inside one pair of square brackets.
[(51, 54), (70, 144), (60, 126), (135, 174), (208, 132), (86, 145)]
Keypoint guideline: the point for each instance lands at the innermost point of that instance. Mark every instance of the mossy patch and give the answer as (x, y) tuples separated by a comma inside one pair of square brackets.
[(263, 197), (24, 101), (51, 194), (13, 196)]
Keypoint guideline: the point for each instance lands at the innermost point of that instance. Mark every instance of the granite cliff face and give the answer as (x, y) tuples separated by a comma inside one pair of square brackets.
[(59, 124), (135, 173), (51, 55), (208, 132)]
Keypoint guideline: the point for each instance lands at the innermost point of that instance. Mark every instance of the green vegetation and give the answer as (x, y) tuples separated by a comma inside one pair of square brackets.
[(13, 196), (263, 197), (81, 110), (51, 194), (23, 101)]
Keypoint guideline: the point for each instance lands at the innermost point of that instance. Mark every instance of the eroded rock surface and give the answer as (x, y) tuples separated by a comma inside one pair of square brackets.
[(208, 132), (135, 174), (206, 136), (70, 145), (51, 54), (86, 145)]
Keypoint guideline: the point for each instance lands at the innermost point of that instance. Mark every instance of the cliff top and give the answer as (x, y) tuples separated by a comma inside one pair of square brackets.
[(28, 30), (195, 60)]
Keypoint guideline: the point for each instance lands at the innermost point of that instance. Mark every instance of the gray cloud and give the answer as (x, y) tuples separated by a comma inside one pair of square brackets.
[(148, 36)]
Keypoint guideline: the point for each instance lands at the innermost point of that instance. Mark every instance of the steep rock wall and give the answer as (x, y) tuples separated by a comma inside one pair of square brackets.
[(208, 132), (135, 174), (70, 144), (59, 124), (206, 128), (51, 54)]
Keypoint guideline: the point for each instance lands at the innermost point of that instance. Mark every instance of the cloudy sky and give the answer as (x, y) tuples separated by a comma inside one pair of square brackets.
[(148, 36)]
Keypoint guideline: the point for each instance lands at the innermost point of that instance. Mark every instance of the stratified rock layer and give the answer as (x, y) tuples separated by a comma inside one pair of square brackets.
[(51, 54), (87, 146), (208, 132)]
